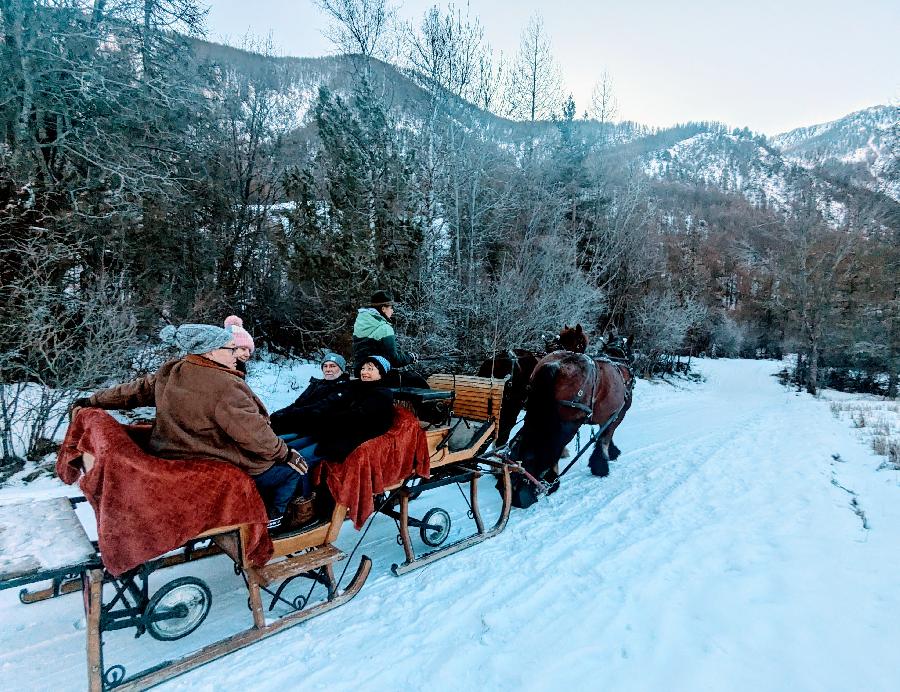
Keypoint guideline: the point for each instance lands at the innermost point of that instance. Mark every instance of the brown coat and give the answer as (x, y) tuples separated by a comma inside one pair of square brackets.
[(203, 411)]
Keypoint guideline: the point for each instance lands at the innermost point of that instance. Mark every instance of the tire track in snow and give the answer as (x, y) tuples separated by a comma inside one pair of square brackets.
[(640, 489)]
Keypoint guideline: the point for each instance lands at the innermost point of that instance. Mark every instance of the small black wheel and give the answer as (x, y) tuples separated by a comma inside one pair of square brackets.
[(439, 518), (178, 608)]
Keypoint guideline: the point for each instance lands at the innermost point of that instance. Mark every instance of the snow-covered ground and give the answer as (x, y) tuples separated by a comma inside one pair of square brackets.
[(745, 540)]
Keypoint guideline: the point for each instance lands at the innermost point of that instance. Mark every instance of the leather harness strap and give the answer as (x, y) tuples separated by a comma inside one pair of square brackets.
[(586, 409)]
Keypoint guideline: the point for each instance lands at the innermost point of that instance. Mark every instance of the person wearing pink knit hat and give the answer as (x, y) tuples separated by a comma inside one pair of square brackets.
[(242, 340)]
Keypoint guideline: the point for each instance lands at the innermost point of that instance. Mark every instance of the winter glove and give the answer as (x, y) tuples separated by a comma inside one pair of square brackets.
[(414, 356), (81, 402), (297, 462)]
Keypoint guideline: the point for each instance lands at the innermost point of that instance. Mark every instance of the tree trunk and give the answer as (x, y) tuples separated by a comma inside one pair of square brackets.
[(812, 371)]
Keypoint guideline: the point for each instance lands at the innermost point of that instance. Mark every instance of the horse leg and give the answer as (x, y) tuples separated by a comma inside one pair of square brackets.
[(614, 451), (599, 462), (523, 493)]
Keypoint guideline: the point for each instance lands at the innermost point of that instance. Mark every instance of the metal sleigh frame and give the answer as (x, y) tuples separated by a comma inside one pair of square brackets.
[(307, 554), (126, 601)]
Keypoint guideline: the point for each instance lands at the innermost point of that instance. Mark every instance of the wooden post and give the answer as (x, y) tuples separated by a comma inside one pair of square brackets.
[(256, 606), (473, 496), (404, 526), (92, 588)]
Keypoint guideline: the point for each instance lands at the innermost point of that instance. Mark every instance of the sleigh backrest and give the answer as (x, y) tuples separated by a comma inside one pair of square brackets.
[(475, 398)]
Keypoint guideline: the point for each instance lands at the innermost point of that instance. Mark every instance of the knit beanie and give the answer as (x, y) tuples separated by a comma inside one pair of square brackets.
[(380, 362), (242, 338), (337, 359), (195, 338)]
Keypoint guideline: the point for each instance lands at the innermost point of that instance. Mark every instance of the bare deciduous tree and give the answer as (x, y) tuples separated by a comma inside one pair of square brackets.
[(59, 340), (360, 26), (535, 85), (604, 104), (812, 261), (447, 49), (661, 323)]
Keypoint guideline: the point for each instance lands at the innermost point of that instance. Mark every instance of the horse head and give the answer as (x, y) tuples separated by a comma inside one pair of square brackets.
[(573, 339), (619, 347)]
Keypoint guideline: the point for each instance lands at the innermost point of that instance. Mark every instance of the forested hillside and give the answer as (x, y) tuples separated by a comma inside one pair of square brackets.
[(148, 176)]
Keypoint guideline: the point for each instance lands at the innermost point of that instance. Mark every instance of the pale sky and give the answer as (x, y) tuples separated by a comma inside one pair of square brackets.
[(769, 65)]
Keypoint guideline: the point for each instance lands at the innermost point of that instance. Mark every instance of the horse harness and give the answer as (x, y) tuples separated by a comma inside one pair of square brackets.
[(542, 485), (586, 409)]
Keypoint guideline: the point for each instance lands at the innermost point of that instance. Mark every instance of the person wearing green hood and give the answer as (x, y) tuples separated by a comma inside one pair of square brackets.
[(373, 333)]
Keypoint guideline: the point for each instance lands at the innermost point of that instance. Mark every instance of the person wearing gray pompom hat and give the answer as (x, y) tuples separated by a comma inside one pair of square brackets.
[(205, 410)]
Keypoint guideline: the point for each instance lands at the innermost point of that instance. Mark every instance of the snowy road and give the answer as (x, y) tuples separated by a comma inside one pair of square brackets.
[(722, 553)]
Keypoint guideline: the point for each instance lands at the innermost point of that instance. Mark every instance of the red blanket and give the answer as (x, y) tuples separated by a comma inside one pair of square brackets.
[(378, 464), (147, 506)]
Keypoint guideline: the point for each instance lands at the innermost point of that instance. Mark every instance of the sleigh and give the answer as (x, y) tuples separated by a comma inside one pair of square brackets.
[(117, 593)]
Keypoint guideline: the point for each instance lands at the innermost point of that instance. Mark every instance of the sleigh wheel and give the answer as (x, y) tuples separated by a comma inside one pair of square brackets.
[(178, 608), (435, 527)]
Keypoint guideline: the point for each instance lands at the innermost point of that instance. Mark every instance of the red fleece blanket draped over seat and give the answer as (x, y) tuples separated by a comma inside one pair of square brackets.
[(147, 506), (378, 464)]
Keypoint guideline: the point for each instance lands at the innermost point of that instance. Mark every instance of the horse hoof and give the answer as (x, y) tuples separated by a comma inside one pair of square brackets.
[(600, 469), (523, 498)]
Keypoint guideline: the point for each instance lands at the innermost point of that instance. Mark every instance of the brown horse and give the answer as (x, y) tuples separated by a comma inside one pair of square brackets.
[(568, 390), (518, 364)]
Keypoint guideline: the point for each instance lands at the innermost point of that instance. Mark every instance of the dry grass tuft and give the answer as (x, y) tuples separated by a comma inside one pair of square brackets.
[(878, 421)]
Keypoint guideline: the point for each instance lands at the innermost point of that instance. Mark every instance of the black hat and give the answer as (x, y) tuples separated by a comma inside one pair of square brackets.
[(381, 298)]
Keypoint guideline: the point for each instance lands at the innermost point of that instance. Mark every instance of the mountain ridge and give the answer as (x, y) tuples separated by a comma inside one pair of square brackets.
[(836, 159)]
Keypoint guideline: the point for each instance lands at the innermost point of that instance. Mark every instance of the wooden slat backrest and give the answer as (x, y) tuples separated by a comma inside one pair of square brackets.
[(476, 398)]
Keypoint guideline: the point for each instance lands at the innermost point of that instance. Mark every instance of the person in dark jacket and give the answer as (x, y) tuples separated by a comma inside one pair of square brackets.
[(300, 419), (366, 411)]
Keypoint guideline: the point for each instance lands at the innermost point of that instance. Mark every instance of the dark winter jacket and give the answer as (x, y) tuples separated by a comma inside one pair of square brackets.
[(373, 335), (366, 411), (317, 400), (203, 411)]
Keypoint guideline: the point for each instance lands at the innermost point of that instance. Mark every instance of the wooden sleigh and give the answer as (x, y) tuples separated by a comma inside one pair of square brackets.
[(455, 447), (180, 606)]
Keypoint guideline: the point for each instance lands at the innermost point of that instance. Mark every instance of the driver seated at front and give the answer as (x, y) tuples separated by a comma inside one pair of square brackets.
[(373, 335)]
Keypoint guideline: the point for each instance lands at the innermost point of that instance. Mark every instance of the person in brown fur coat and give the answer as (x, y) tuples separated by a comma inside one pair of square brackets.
[(205, 410)]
